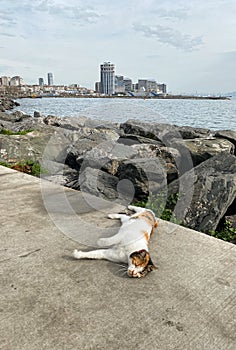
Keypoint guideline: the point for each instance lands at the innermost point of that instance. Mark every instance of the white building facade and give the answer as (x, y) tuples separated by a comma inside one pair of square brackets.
[(107, 82)]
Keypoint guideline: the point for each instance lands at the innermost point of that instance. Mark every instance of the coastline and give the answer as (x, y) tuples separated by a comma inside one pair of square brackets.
[(161, 97), (96, 156), (142, 97)]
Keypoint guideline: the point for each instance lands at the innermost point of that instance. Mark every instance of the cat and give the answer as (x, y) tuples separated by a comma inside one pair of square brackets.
[(130, 244)]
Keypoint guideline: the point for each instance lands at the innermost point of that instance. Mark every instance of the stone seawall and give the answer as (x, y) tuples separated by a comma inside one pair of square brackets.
[(190, 172)]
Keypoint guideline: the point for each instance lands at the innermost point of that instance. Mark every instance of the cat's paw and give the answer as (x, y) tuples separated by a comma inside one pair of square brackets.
[(131, 207), (112, 216), (77, 254)]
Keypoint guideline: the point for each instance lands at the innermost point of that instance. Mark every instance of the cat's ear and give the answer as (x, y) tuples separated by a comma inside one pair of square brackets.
[(155, 224), (151, 266)]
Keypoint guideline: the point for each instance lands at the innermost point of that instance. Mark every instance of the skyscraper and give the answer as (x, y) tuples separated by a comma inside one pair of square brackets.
[(50, 79), (41, 82), (107, 82)]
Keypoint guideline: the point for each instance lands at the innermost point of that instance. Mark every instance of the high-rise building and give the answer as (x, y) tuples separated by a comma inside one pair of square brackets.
[(16, 81), (5, 80), (107, 82), (128, 84), (50, 79), (41, 82)]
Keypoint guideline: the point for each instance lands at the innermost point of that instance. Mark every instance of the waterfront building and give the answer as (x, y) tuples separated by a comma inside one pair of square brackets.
[(162, 88), (107, 78), (41, 82), (5, 81), (128, 84), (119, 84), (50, 79), (16, 81), (97, 87)]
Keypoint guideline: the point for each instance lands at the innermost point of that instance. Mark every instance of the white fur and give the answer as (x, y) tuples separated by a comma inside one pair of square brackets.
[(130, 238)]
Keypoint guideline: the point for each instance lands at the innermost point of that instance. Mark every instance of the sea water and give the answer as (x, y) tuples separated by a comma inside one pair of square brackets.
[(211, 114)]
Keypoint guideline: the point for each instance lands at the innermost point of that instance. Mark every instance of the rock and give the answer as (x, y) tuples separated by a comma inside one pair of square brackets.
[(14, 117), (130, 140), (164, 133), (146, 175), (6, 104), (38, 114), (202, 149), (32, 146), (88, 140), (232, 220), (229, 135), (80, 123), (204, 201), (97, 183), (188, 132)]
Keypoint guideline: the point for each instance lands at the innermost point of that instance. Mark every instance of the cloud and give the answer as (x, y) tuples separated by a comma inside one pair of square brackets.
[(7, 35), (179, 14), (77, 13), (169, 36)]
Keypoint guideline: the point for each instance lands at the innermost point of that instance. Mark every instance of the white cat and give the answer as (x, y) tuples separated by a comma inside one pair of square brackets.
[(130, 244)]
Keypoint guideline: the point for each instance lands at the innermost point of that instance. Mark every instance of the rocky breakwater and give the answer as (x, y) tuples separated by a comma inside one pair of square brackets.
[(6, 104), (188, 171)]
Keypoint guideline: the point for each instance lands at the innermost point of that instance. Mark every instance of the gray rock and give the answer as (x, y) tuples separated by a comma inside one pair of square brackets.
[(6, 104), (14, 117), (202, 149), (97, 183), (130, 140), (204, 202), (81, 123), (188, 132), (38, 114), (164, 133), (232, 220), (229, 135), (146, 175)]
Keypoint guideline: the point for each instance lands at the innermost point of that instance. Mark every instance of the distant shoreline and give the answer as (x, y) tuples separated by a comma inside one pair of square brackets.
[(161, 97)]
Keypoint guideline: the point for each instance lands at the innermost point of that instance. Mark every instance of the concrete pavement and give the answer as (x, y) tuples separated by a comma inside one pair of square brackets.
[(50, 301)]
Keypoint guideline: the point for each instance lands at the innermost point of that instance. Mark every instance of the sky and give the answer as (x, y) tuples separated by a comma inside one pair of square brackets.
[(190, 45)]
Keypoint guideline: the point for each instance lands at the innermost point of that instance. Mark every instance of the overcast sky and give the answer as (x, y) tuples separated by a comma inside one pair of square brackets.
[(188, 44)]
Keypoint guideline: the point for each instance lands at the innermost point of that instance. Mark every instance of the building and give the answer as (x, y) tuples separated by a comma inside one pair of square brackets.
[(128, 84), (107, 78), (50, 79), (5, 81), (119, 84), (41, 82), (97, 87), (16, 81)]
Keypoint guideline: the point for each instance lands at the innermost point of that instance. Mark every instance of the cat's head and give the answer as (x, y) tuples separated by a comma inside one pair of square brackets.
[(140, 264)]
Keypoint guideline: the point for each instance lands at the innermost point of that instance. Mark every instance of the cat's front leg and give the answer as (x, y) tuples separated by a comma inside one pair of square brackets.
[(93, 254), (107, 254), (136, 209), (123, 217)]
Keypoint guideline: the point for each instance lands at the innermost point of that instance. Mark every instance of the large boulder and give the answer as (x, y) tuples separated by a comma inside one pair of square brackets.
[(202, 149), (6, 104), (229, 135), (77, 123), (97, 183), (187, 132), (164, 133), (206, 192)]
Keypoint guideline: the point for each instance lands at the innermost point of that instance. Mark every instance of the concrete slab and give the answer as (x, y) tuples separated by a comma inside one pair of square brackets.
[(50, 301)]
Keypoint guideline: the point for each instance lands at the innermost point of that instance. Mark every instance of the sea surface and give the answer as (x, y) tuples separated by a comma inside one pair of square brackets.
[(211, 114)]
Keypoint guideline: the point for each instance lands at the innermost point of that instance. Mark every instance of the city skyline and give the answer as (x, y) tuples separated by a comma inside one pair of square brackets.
[(189, 46)]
